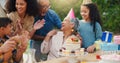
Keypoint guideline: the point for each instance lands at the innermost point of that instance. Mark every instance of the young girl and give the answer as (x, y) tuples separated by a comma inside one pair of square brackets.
[(90, 26)]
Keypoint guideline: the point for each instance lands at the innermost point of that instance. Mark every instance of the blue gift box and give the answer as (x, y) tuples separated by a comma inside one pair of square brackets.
[(118, 47), (109, 47), (107, 36)]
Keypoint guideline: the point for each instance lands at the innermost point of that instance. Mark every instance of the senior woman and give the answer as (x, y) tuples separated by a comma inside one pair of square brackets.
[(55, 40)]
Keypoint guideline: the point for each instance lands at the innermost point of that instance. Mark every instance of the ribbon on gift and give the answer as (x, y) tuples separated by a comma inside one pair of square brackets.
[(107, 36)]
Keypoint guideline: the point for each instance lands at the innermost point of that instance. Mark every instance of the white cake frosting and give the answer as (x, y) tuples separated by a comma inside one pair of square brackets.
[(71, 46)]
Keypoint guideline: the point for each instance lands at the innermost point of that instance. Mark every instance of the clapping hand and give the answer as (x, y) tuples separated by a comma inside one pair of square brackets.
[(49, 35), (24, 41), (21, 40), (39, 24), (18, 27)]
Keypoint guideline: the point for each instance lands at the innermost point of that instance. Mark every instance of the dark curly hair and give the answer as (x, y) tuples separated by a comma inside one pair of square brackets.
[(32, 7), (94, 14), (4, 21)]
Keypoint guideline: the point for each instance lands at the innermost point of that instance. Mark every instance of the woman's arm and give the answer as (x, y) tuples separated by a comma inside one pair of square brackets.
[(38, 38), (7, 56), (18, 56), (45, 46)]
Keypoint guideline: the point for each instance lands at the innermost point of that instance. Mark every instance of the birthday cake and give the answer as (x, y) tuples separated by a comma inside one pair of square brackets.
[(72, 46), (114, 58)]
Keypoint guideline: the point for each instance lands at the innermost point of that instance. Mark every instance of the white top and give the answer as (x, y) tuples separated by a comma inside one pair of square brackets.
[(53, 46), (56, 43)]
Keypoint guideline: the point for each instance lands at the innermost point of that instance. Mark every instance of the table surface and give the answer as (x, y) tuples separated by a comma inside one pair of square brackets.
[(89, 58)]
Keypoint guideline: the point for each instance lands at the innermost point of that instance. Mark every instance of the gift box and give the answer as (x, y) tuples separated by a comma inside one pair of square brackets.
[(116, 39), (107, 36), (109, 47), (118, 47)]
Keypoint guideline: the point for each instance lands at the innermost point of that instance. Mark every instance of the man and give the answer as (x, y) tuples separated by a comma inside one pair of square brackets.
[(51, 21)]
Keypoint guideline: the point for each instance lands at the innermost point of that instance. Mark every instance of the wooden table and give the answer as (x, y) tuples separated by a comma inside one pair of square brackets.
[(91, 57)]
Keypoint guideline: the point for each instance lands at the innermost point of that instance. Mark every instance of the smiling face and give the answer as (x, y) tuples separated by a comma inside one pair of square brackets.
[(67, 25), (44, 5), (21, 6), (84, 11)]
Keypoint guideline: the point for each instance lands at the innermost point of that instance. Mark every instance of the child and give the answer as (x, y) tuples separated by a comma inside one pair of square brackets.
[(90, 27), (5, 29), (11, 55)]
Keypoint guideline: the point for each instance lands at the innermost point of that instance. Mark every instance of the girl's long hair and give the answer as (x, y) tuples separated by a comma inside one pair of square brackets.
[(94, 14)]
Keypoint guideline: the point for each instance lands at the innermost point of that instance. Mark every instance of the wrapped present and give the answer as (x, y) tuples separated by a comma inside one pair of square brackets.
[(109, 47), (116, 39), (107, 36), (118, 47)]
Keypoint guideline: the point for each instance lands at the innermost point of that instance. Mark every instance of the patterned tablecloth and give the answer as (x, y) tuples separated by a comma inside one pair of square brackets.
[(89, 58)]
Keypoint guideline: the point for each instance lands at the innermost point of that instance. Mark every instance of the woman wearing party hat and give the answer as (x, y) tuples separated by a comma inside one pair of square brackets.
[(90, 25), (55, 40)]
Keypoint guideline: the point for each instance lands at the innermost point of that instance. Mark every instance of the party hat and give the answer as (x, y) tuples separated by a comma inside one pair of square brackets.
[(87, 2), (71, 14)]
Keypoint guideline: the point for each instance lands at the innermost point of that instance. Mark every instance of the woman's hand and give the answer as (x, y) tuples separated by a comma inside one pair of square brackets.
[(49, 35), (91, 49), (21, 40), (24, 42), (18, 27), (39, 24)]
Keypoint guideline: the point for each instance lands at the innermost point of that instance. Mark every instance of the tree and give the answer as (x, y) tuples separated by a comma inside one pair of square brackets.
[(109, 10)]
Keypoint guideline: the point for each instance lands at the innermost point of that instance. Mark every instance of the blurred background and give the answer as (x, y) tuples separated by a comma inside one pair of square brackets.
[(109, 10)]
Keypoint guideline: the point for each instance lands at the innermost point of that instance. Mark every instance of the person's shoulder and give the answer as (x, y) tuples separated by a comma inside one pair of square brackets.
[(60, 32), (28, 16), (52, 12), (98, 24), (12, 14)]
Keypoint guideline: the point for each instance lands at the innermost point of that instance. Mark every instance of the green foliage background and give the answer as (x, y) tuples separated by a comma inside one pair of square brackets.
[(109, 10)]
